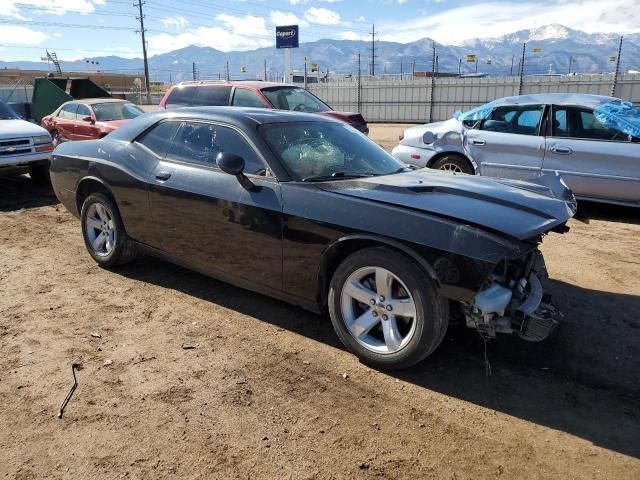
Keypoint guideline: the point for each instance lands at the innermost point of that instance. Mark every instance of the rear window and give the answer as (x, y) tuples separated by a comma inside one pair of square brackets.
[(181, 97), (212, 96)]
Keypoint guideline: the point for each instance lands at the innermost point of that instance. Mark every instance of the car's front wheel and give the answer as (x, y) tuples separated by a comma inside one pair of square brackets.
[(103, 232), (453, 163), (386, 309)]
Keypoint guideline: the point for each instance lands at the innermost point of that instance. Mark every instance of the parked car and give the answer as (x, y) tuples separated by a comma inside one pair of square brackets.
[(255, 94), (88, 119), (24, 146), (305, 209), (592, 141)]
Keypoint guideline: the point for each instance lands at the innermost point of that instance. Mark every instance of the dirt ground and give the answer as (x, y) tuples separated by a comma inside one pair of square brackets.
[(268, 392)]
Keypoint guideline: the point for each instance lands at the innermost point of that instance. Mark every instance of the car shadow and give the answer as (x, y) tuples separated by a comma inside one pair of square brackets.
[(545, 383), (18, 191), (608, 212)]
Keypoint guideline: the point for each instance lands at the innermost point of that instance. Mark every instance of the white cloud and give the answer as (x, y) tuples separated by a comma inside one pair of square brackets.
[(13, 8), (322, 16), (178, 21), (360, 19), (278, 17), (495, 18), (216, 37), (352, 36), (248, 25), (22, 35), (57, 35), (298, 2)]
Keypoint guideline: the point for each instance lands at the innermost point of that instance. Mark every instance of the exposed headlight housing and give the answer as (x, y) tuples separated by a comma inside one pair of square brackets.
[(40, 139)]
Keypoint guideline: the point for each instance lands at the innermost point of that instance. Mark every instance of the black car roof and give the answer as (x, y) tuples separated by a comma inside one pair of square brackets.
[(244, 118)]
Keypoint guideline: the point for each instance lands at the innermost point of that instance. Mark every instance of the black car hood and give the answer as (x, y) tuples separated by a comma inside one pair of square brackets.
[(519, 209)]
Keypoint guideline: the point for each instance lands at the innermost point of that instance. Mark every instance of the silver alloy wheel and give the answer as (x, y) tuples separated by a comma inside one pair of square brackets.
[(100, 229), (451, 167), (378, 310)]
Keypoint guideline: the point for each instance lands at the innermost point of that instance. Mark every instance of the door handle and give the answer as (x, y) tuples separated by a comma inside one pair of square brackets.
[(562, 150), (163, 175), (478, 142)]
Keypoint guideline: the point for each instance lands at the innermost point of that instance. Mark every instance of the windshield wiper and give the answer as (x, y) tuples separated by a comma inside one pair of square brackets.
[(336, 175)]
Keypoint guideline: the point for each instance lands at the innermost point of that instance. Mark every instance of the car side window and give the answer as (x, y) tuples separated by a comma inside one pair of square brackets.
[(69, 111), (212, 95), (246, 98), (581, 123), (199, 144), (181, 97), (83, 111), (517, 119), (159, 138)]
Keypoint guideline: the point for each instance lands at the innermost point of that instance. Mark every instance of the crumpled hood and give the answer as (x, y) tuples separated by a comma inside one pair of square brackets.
[(19, 128), (519, 209)]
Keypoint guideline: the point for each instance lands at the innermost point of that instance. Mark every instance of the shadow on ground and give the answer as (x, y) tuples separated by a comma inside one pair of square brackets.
[(610, 213), (18, 191), (549, 384)]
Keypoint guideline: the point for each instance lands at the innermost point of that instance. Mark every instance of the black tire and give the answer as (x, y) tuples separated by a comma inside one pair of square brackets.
[(455, 163), (432, 313), (39, 173), (123, 249)]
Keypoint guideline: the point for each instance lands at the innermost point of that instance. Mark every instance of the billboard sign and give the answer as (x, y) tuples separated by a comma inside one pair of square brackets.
[(287, 36)]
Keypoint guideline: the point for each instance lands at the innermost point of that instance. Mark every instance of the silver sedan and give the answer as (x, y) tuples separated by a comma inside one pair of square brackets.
[(592, 141)]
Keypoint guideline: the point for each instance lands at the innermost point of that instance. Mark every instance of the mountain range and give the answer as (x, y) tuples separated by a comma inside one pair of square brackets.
[(550, 49)]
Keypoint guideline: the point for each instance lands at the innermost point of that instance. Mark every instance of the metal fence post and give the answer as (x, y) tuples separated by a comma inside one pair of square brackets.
[(615, 75), (524, 49), (358, 85), (433, 81)]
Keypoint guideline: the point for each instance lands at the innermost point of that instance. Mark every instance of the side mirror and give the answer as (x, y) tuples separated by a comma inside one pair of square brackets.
[(88, 119), (233, 164), (428, 138)]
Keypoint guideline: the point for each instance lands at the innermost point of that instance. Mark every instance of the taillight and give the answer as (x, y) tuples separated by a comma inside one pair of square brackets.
[(401, 136)]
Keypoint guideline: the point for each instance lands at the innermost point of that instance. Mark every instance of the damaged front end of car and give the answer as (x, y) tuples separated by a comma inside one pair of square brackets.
[(514, 302)]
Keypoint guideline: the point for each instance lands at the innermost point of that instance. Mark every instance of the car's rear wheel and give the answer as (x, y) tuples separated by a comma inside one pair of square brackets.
[(39, 173), (103, 232), (453, 163), (386, 309)]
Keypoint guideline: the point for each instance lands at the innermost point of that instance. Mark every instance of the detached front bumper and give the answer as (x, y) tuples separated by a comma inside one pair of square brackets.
[(524, 309)]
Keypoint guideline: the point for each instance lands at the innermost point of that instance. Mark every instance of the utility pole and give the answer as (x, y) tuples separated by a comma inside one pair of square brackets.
[(570, 62), (524, 50), (459, 66), (265, 69), (144, 50), (413, 68), (373, 50), (226, 71), (511, 69), (615, 75), (401, 72), (193, 71)]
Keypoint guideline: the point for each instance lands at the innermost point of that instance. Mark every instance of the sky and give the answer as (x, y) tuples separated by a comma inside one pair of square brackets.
[(77, 29)]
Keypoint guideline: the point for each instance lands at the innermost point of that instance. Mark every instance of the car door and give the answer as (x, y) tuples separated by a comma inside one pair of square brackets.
[(206, 218), (508, 143), (85, 129), (66, 121), (595, 161)]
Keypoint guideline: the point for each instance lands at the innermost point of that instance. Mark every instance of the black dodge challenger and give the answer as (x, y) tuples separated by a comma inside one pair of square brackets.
[(311, 211)]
